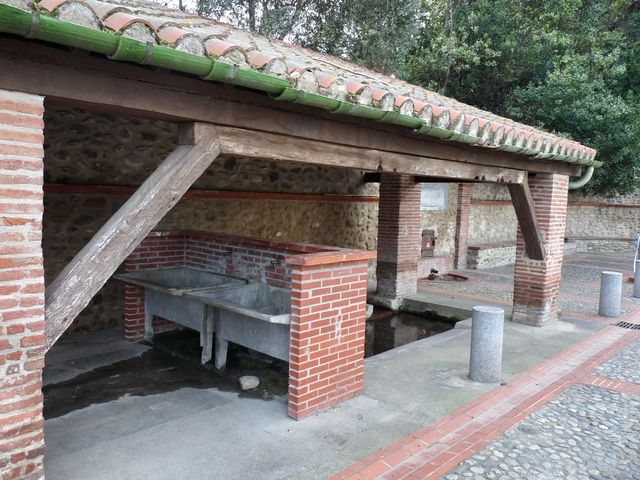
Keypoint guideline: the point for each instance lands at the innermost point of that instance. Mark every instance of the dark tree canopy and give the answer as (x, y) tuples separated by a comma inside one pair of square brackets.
[(567, 66), (571, 67)]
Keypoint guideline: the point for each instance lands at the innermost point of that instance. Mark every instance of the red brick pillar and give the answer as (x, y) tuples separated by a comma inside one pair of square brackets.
[(537, 283), (462, 225), (158, 250), (21, 286), (328, 304), (133, 313), (398, 236)]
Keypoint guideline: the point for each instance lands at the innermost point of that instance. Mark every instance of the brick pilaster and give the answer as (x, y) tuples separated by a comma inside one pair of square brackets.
[(462, 225), (398, 236), (21, 286), (158, 250), (537, 283), (328, 304)]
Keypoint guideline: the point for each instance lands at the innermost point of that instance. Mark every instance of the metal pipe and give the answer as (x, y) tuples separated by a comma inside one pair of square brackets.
[(583, 179)]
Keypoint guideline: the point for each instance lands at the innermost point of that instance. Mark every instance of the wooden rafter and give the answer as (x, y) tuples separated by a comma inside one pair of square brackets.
[(90, 269), (525, 211)]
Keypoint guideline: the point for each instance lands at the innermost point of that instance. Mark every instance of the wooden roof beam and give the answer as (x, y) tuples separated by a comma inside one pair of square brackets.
[(526, 213), (255, 144), (98, 84)]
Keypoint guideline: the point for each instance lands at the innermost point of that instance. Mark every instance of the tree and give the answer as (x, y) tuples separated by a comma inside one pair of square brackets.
[(373, 33), (568, 66), (571, 67)]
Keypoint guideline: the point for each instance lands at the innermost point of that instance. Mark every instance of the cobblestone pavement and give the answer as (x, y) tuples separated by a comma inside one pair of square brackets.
[(625, 365), (586, 433), (573, 417)]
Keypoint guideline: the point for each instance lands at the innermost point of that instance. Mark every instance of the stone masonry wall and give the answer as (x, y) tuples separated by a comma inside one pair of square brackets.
[(95, 149), (595, 223), (444, 224)]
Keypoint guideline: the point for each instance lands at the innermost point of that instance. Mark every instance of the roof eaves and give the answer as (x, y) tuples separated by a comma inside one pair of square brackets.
[(286, 82)]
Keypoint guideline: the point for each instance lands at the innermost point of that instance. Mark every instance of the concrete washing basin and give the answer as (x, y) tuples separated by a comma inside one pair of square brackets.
[(178, 280), (256, 316), (164, 291)]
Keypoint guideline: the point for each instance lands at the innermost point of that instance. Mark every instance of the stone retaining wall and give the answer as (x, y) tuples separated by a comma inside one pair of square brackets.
[(488, 256), (595, 223)]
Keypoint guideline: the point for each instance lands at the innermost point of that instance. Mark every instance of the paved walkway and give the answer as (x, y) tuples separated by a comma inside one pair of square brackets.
[(579, 289), (575, 416)]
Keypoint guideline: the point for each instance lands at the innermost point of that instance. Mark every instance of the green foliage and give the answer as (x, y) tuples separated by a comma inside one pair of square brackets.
[(567, 66)]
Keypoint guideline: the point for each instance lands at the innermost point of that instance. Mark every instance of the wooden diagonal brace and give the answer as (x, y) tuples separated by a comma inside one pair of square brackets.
[(525, 211), (90, 269)]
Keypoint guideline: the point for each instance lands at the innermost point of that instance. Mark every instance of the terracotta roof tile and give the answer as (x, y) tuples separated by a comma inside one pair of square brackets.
[(308, 71), (51, 5)]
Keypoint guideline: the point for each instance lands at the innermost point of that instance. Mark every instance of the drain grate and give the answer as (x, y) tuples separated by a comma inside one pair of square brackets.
[(632, 326)]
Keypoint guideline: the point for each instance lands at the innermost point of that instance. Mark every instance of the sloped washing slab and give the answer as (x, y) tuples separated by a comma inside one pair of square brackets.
[(256, 316), (255, 300), (178, 280), (164, 296)]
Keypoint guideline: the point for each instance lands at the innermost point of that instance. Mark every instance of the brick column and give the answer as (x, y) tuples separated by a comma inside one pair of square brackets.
[(537, 283), (328, 304), (398, 236), (462, 225), (21, 286)]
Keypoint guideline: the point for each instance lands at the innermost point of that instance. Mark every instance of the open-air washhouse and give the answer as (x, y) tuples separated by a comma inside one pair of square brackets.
[(162, 171)]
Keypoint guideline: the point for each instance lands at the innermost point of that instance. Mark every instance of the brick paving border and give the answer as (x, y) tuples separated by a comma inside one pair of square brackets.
[(609, 384), (435, 449)]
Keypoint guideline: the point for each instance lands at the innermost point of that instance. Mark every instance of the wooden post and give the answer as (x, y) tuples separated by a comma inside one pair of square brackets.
[(525, 211), (90, 269)]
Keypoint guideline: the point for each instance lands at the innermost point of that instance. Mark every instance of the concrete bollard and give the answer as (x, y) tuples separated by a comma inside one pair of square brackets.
[(610, 294), (636, 283), (487, 326)]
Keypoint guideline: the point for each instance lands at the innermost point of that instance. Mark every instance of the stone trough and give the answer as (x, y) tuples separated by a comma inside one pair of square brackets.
[(164, 291), (256, 316)]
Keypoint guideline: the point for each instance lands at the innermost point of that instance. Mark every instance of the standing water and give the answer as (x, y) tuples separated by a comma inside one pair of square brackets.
[(173, 363), (387, 330)]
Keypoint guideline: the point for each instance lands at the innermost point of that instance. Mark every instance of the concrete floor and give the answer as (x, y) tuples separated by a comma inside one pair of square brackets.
[(208, 433)]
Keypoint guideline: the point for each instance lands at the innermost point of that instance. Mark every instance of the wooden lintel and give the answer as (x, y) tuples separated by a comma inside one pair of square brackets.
[(256, 144), (423, 179), (90, 269), (525, 211), (70, 79)]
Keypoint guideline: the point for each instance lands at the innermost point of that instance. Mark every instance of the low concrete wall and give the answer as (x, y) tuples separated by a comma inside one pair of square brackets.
[(496, 255)]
